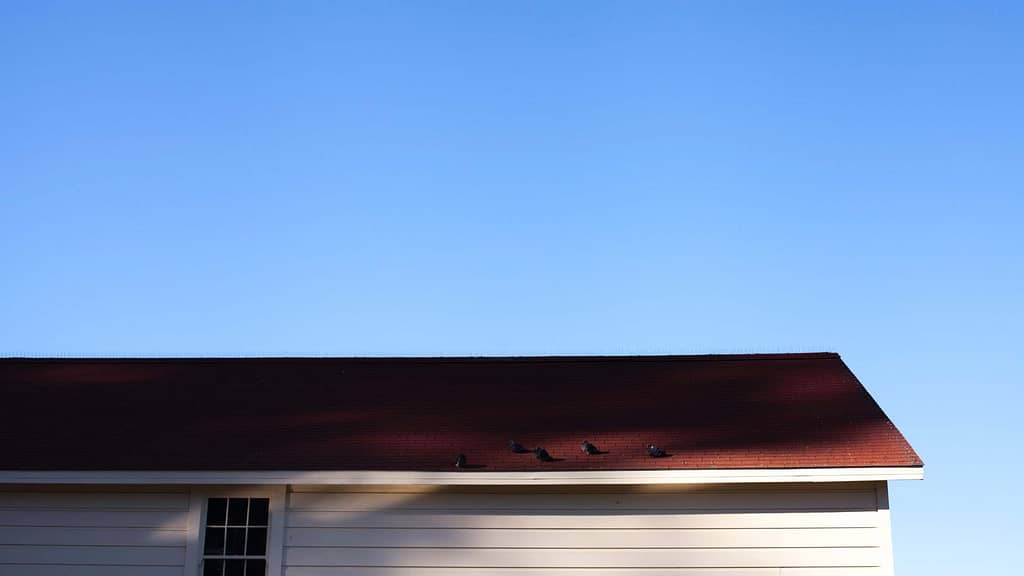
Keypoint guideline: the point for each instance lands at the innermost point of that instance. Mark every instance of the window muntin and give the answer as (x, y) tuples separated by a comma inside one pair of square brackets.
[(235, 537)]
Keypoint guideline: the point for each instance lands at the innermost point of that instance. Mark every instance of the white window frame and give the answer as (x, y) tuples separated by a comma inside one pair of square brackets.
[(198, 497)]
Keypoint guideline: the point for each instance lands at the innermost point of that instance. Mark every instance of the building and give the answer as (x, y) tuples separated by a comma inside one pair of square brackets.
[(773, 464)]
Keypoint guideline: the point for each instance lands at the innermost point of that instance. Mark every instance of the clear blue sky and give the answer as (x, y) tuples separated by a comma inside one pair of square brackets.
[(317, 178)]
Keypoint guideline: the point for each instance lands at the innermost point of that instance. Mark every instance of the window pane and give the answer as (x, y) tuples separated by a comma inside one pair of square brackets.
[(236, 511), (255, 567), (257, 545), (259, 510), (216, 511), (236, 542), (213, 544), (213, 568), (235, 568)]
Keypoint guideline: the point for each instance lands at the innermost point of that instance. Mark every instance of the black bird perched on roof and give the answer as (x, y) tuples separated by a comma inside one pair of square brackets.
[(589, 448), (516, 447), (655, 452), (542, 455), (460, 461)]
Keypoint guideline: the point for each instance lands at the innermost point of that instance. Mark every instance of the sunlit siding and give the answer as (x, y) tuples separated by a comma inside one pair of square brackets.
[(87, 532), (807, 529)]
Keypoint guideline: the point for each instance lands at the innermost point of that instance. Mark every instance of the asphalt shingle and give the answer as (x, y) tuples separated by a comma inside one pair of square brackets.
[(720, 411)]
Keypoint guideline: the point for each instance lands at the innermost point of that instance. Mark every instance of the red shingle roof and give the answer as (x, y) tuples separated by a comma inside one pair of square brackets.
[(728, 411)]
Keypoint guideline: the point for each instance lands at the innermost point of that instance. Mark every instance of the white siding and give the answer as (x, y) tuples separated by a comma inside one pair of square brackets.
[(745, 530), (831, 529), (69, 531)]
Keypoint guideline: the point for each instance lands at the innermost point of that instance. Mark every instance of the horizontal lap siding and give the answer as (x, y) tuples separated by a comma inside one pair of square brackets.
[(694, 501), (581, 538), (798, 531), (609, 520), (583, 558), (363, 571), (92, 533)]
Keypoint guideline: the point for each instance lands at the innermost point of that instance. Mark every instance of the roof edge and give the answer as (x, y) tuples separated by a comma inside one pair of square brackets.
[(371, 477), (417, 359)]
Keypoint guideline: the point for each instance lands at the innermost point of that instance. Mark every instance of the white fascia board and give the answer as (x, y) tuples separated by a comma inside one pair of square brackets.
[(719, 476)]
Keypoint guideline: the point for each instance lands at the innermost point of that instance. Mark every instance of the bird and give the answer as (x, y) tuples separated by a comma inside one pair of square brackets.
[(542, 454), (516, 447), (655, 452), (460, 461), (589, 448)]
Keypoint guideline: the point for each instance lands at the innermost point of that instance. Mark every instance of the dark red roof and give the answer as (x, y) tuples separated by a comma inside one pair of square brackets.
[(750, 411)]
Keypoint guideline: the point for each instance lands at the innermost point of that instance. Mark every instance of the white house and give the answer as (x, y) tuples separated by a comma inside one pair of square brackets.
[(771, 465)]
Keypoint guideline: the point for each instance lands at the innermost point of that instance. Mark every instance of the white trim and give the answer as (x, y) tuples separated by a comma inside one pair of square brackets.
[(197, 519), (745, 475), (196, 512), (885, 528), (275, 547)]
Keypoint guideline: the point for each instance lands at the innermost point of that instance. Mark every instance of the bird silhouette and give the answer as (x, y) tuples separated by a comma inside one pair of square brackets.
[(655, 452), (589, 448), (517, 447), (460, 461), (542, 455)]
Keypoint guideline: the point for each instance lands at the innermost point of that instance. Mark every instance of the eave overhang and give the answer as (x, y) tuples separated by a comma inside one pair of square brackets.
[(467, 478)]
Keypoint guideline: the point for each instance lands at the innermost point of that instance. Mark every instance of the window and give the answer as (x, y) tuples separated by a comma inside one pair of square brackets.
[(235, 537)]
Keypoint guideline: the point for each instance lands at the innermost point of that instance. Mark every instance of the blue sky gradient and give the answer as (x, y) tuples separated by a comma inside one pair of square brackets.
[(392, 178)]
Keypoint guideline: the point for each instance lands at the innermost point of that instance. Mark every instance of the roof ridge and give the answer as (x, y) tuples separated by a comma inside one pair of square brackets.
[(428, 359)]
